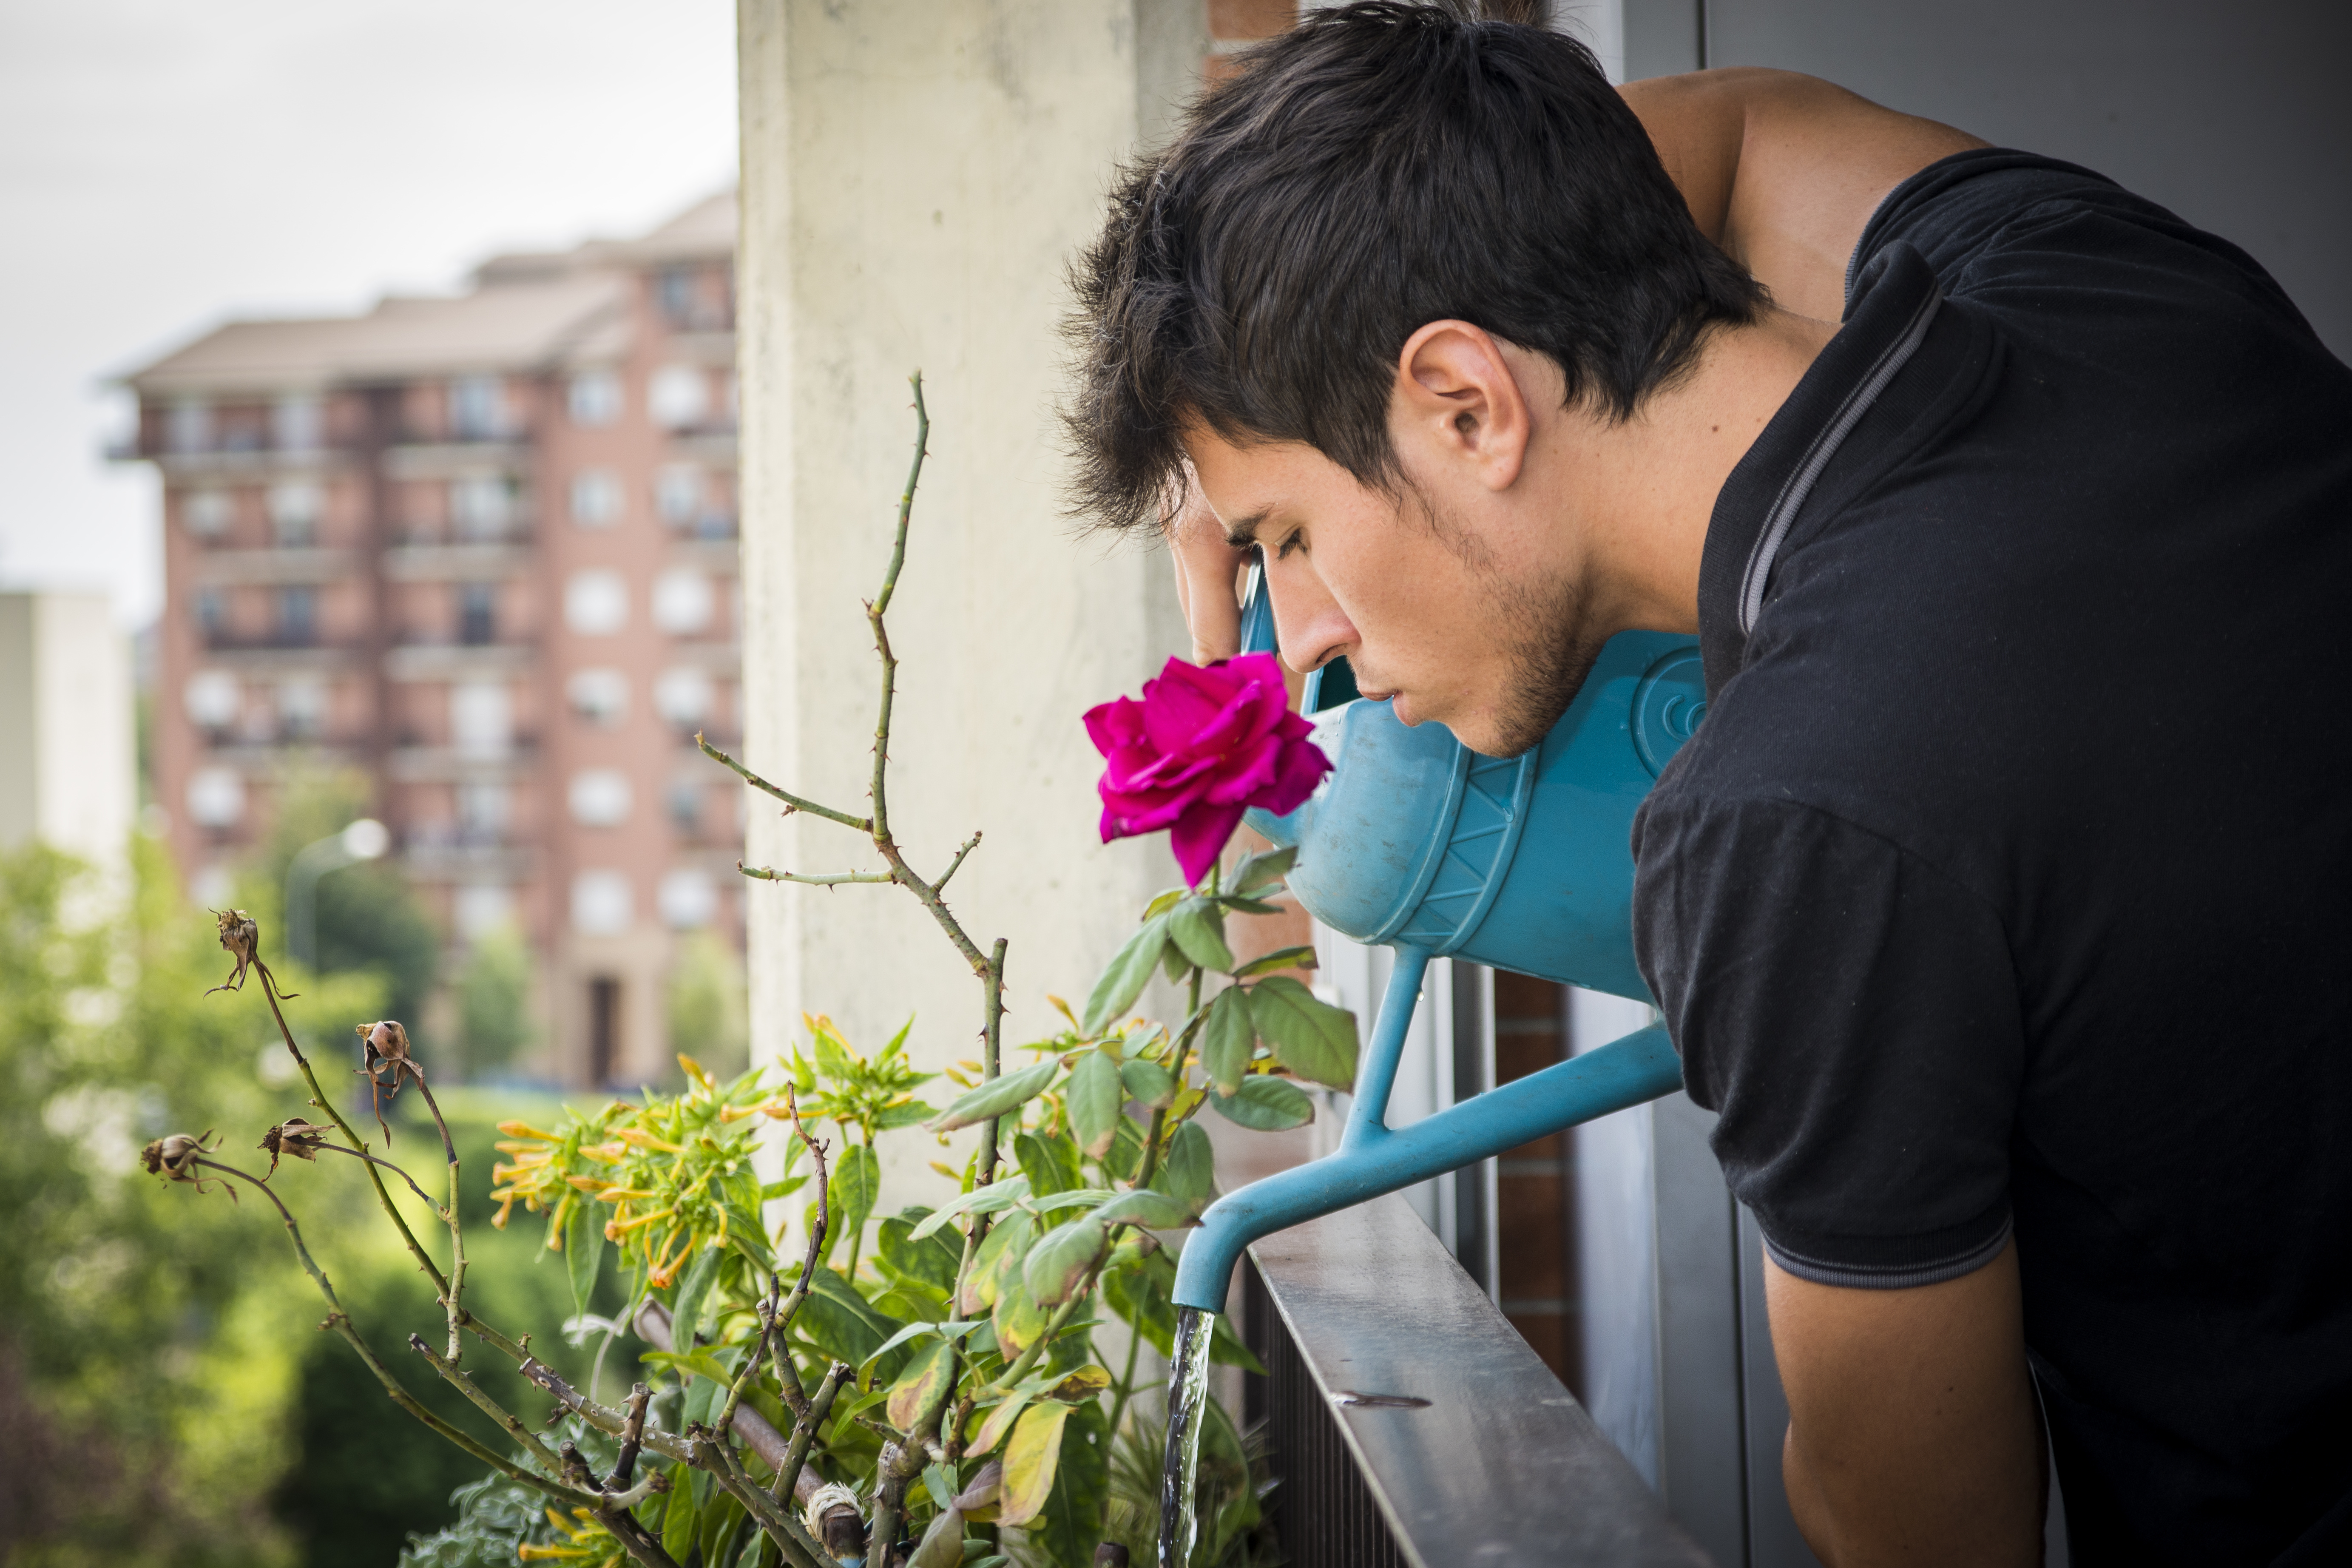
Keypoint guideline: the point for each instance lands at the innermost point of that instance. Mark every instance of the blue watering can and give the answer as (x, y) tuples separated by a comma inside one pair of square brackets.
[(1523, 863)]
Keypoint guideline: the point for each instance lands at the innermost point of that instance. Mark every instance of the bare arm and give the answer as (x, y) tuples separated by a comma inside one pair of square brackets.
[(1913, 1435), (1783, 170)]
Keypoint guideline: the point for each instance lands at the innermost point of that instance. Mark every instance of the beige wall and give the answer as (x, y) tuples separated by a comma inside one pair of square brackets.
[(66, 747), (915, 174)]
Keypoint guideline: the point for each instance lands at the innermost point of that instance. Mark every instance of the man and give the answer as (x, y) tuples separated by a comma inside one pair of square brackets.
[(1998, 906)]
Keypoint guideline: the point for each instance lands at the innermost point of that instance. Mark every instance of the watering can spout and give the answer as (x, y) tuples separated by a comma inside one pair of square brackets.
[(1373, 1159)]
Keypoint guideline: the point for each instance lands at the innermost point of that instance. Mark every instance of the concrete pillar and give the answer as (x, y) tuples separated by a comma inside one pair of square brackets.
[(914, 175)]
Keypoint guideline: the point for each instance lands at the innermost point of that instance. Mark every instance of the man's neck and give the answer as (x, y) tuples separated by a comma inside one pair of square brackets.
[(1646, 487)]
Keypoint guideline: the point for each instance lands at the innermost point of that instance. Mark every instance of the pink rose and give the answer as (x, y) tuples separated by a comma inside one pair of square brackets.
[(1203, 747)]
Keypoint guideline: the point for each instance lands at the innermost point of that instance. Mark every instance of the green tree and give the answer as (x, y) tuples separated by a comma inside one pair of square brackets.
[(146, 1366), (494, 1020), (708, 1005)]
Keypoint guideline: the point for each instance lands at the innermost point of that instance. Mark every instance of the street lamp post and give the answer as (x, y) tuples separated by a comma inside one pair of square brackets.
[(365, 839)]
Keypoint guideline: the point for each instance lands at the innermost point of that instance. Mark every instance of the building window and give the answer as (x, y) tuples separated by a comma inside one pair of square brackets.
[(682, 601), (295, 508), (677, 493), (593, 397), (682, 696), (298, 616), (596, 499), (212, 613), (477, 614), (188, 427), (599, 696), (678, 396), (478, 408), (683, 804), (596, 603), (207, 514), (599, 797), (601, 903), (674, 294), (298, 422), (216, 797), (301, 707), (481, 718), (482, 509), (213, 699), (688, 899), (603, 1009), (483, 810)]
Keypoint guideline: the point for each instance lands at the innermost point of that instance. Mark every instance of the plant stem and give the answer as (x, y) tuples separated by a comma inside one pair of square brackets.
[(453, 1298), (340, 1321), (1126, 1380), (1037, 1347)]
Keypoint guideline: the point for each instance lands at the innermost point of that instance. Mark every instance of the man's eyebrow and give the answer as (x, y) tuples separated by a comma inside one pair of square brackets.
[(1242, 532)]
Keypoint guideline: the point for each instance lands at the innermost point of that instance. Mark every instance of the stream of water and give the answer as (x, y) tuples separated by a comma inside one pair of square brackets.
[(1180, 1470)]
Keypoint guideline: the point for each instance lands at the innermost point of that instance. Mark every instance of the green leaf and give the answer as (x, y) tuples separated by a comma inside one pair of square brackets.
[(1174, 964), (1123, 982), (784, 1188), (1018, 1318), (1281, 958), (1165, 902), (943, 1331), (1153, 1211), (677, 1523), (1266, 1105), (1141, 1295), (719, 1523), (1249, 906), (1126, 1154), (845, 1325), (1198, 927), (1072, 1519), (1058, 1263), (686, 1314), (1149, 1084), (1262, 869), (1096, 1095), (914, 1389), (846, 1414), (856, 1183), (1050, 1163), (996, 1195), (989, 1268), (1188, 1170), (932, 1259), (996, 1422), (1311, 1037), (1031, 1461), (998, 1096), (583, 1251), (1075, 1198), (940, 1482), (1227, 1039)]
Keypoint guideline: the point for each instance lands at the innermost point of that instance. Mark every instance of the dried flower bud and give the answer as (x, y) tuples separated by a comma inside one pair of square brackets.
[(242, 938), (386, 1042), (295, 1137), (174, 1155)]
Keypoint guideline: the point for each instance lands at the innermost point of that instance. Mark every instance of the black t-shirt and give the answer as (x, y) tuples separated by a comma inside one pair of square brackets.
[(2007, 888)]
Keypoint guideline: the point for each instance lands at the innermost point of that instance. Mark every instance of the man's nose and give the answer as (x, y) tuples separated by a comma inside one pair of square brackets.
[(1308, 623)]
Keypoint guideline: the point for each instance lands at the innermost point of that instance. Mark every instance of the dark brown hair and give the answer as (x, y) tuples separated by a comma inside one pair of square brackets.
[(1380, 167)]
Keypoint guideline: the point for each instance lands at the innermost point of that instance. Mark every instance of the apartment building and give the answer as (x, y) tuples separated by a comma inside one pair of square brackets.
[(483, 548)]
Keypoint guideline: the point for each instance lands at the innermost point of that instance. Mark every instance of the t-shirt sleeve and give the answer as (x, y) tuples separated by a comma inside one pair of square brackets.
[(2006, 228), (1852, 1014)]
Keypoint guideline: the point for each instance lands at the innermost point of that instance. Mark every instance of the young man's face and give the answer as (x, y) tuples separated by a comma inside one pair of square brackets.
[(1460, 612)]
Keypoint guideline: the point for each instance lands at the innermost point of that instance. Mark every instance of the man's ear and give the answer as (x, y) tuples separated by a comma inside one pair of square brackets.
[(1457, 405)]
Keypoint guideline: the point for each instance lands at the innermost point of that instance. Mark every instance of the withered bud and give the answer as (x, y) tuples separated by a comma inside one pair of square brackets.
[(384, 1042), (295, 1137), (242, 936), (174, 1155)]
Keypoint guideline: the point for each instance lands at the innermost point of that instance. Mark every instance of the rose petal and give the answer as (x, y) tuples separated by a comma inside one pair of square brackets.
[(1199, 838)]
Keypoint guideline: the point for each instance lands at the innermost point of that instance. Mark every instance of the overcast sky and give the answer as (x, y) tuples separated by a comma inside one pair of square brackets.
[(164, 165)]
